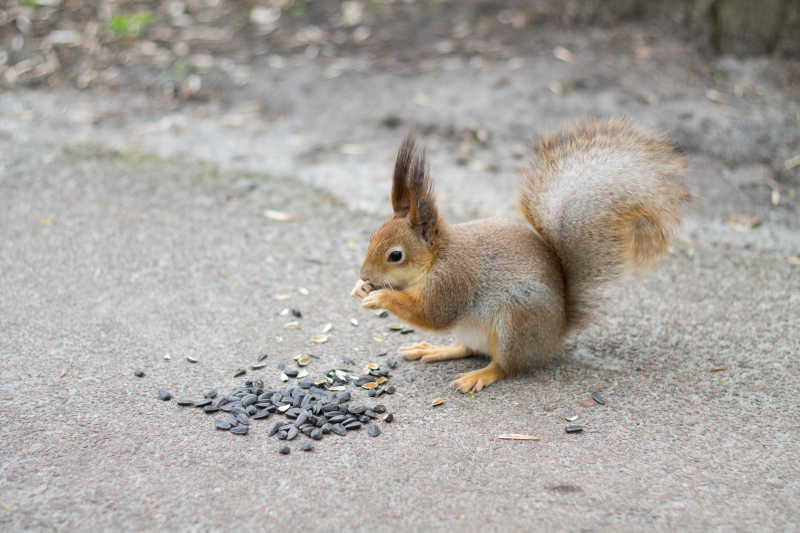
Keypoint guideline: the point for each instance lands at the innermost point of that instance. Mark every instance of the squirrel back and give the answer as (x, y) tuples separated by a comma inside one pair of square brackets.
[(604, 195)]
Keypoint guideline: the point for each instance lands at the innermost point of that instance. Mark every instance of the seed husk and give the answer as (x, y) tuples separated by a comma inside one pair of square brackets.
[(191, 359), (240, 430), (354, 322), (574, 429), (303, 361), (284, 450), (382, 380), (370, 385), (373, 366), (139, 373), (396, 326), (303, 373), (284, 377), (388, 418), (164, 395), (319, 339), (437, 401), (327, 328), (597, 397), (516, 436), (294, 324), (239, 372), (373, 430), (303, 291)]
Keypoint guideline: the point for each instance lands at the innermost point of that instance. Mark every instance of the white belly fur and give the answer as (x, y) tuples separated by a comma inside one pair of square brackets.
[(472, 335)]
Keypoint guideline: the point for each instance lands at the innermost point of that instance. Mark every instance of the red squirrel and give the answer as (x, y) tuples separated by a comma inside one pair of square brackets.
[(601, 199)]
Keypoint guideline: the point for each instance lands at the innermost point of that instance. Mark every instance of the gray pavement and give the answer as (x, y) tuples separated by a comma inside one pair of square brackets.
[(128, 232)]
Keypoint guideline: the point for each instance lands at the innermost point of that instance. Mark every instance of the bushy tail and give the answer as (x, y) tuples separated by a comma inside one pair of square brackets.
[(606, 196)]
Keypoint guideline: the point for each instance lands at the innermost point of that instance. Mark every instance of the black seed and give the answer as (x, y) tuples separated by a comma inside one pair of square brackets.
[(284, 450), (339, 429), (273, 429), (336, 419), (222, 424), (164, 395), (210, 394), (239, 372), (301, 419), (356, 409), (282, 435), (138, 373), (291, 372), (598, 398), (574, 429), (242, 419), (382, 354), (346, 360), (257, 366), (185, 402), (316, 433), (203, 403), (383, 314), (391, 363), (373, 430), (388, 418), (261, 357), (292, 433), (296, 313), (191, 359), (353, 425), (380, 408), (239, 430), (406, 331), (264, 413), (230, 419), (307, 446), (364, 419), (210, 409), (250, 399), (326, 428)]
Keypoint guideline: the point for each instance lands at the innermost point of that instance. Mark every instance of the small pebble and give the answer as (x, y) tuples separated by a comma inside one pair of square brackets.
[(138, 373), (574, 429), (284, 450), (164, 395)]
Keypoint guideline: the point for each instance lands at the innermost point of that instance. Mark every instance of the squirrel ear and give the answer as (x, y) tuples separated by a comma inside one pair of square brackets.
[(401, 201), (422, 216)]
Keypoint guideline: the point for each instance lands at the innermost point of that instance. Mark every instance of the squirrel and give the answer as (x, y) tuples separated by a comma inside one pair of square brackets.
[(600, 199)]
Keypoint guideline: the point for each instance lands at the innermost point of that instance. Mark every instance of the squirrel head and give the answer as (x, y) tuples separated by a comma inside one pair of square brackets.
[(404, 247)]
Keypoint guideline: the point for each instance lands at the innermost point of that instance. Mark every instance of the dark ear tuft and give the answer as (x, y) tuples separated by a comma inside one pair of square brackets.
[(401, 202), (422, 216)]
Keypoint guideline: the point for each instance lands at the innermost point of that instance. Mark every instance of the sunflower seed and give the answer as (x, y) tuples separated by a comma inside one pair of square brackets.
[(373, 430), (370, 385), (239, 372), (257, 366), (291, 372), (355, 424), (240, 430), (348, 361), (316, 433), (574, 429), (250, 399), (388, 418), (211, 394), (307, 446), (221, 424), (282, 435), (383, 313), (437, 401), (242, 419), (380, 408), (381, 380), (284, 450), (396, 326), (304, 360), (339, 430), (138, 373), (191, 359), (164, 395), (390, 389), (205, 402), (598, 398), (319, 339), (273, 429), (185, 402), (296, 313), (261, 357), (210, 409), (406, 331), (292, 433)]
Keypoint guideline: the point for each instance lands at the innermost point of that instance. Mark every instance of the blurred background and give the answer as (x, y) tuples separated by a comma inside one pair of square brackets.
[(323, 91)]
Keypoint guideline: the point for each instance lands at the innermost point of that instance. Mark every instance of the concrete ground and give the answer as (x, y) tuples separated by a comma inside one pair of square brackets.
[(128, 231)]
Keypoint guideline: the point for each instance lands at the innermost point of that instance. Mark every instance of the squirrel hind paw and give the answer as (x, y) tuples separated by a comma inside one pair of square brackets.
[(478, 379)]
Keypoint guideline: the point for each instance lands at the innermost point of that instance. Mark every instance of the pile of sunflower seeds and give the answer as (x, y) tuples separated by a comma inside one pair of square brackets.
[(307, 408)]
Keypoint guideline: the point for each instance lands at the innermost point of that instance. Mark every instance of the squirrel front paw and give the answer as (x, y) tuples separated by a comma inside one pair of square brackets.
[(376, 299)]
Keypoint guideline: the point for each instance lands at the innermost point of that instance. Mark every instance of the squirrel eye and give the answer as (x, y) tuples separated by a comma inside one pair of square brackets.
[(395, 256)]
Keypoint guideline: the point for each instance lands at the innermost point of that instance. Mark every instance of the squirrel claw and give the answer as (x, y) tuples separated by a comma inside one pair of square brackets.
[(478, 379), (430, 353), (375, 300)]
